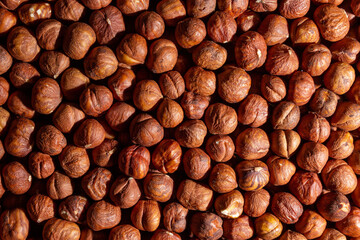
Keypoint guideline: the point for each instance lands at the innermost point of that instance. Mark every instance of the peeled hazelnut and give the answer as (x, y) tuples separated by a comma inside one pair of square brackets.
[(333, 206), (50, 140), (286, 207), (301, 88), (158, 186), (100, 63), (172, 84), (121, 84), (74, 161), (59, 186), (5, 59), (292, 235), (332, 21), (167, 156), (46, 96), (268, 226), (19, 103), (206, 226), (73, 208), (162, 56), (263, 6), (345, 50), (41, 165), (209, 55), (200, 8), (220, 148), (220, 119), (312, 156), (169, 113), (150, 25), (95, 100), (194, 105), (103, 215), (191, 133), (281, 170), (286, 115), (78, 39), (190, 32), (256, 202), (234, 8), (130, 7), (324, 102), (194, 195), (146, 95), (354, 159), (350, 225), (8, 20), (49, 34), (172, 11), (23, 75), (134, 161), (16, 179), (338, 176), (174, 217), (229, 205), (272, 88), (14, 224), (252, 175), (96, 183), (303, 31), (311, 224), (339, 77), (250, 50), (73, 82), (145, 130), (22, 44), (340, 144), (316, 58), (281, 60), (146, 215), (222, 178), (332, 234), (274, 29), (125, 192), (132, 49), (346, 116), (196, 163), (284, 142), (306, 186), (238, 228), (89, 134), (252, 143), (221, 27), (253, 111), (67, 116), (292, 9), (33, 13), (124, 232), (69, 10), (60, 229), (40, 208), (313, 127)]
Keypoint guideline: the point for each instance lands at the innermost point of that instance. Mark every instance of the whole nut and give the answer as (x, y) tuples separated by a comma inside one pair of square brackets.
[(19, 103), (345, 50), (172, 84), (172, 11), (96, 183), (134, 161), (125, 192), (16, 179), (272, 88), (169, 113), (324, 102), (286, 116), (95, 100), (132, 49), (46, 96), (162, 56), (41, 165), (103, 215), (301, 88), (89, 134), (274, 29), (292, 235), (67, 116), (209, 55), (281, 170), (238, 228), (190, 32), (191, 133), (146, 215), (165, 234), (121, 84), (73, 208), (147, 95), (8, 20), (292, 9), (50, 33), (74, 161), (220, 119), (350, 225), (221, 27), (311, 224), (130, 7), (306, 186), (11, 4), (313, 127), (40, 208), (339, 77), (59, 186), (281, 60), (50, 140), (252, 143), (124, 232), (312, 156), (340, 144), (346, 116), (316, 59), (284, 143), (222, 178), (105, 154), (22, 44), (150, 25), (166, 157), (6, 59), (229, 205), (175, 217), (252, 175), (248, 21), (158, 186), (256, 202), (100, 63), (23, 75), (332, 234), (253, 111), (194, 195), (333, 206), (220, 148), (73, 82), (286, 207), (14, 224), (206, 225), (33, 13), (263, 6), (146, 130), (194, 105), (69, 10), (200, 9), (60, 229), (303, 31), (268, 226)]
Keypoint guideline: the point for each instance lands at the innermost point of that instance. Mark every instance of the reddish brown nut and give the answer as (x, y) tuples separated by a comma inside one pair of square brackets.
[(162, 56), (252, 143), (337, 175), (345, 50), (146, 215), (22, 44), (209, 55), (132, 49), (234, 8), (59, 186), (60, 229), (125, 192), (96, 4), (324, 102), (335, 2), (292, 9), (353, 94), (194, 195), (250, 50), (316, 58), (119, 115), (274, 29), (303, 31), (4, 90), (8, 21), (74, 161), (78, 39), (16, 179), (286, 207), (50, 140), (306, 186), (268, 226), (340, 144), (172, 84), (221, 27), (23, 75), (312, 157), (73, 83), (354, 159), (124, 232), (96, 183), (301, 88), (5, 59), (169, 113), (220, 148), (164, 234), (220, 119), (311, 224), (238, 228), (332, 21), (2, 153), (172, 11), (196, 163), (134, 161), (19, 103), (191, 133), (281, 60), (150, 25), (256, 202), (292, 235), (346, 116), (49, 34), (46, 96), (67, 116), (103, 215), (166, 157), (131, 7), (350, 225), (272, 88), (175, 217), (95, 100), (339, 77), (20, 139), (222, 178), (355, 196), (33, 13), (332, 234), (194, 105), (40, 208), (100, 63), (158, 186), (229, 205), (14, 224), (206, 226), (147, 95), (315, 128), (146, 130), (121, 84), (89, 134), (190, 32), (69, 10), (5, 122), (253, 111), (284, 143), (41, 165), (200, 9), (73, 208), (286, 116), (252, 175), (281, 170), (263, 6), (333, 206)]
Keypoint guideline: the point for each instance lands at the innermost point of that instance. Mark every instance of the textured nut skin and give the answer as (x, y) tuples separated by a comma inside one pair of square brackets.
[(200, 9), (59, 186), (250, 50), (333, 206), (164, 234), (234, 8), (22, 44), (196, 163), (74, 161), (104, 155), (40, 208), (286, 116), (263, 6), (130, 7), (252, 143), (301, 88), (315, 128), (194, 105), (8, 20), (220, 148), (312, 156), (145, 130), (60, 229), (256, 202), (73, 208), (4, 125), (340, 144), (191, 133), (132, 49), (175, 217), (50, 33), (248, 21), (73, 82), (169, 113), (19, 103), (292, 235), (162, 56), (150, 25), (46, 96), (354, 158), (167, 156), (346, 50), (286, 207), (67, 116), (284, 143), (89, 134), (350, 225), (311, 224), (273, 88), (324, 102), (100, 63), (14, 224), (121, 84), (220, 119), (194, 195), (339, 77), (16, 179), (306, 186), (134, 161), (103, 215), (303, 31), (96, 4), (268, 226), (332, 234), (281, 170), (4, 90), (238, 228), (221, 27), (229, 205), (41, 165), (147, 95), (292, 9), (171, 11), (209, 55), (69, 10), (332, 22), (158, 186), (252, 175), (222, 178), (6, 59), (125, 192), (353, 93), (281, 60), (146, 215), (253, 111), (50, 140), (172, 84), (274, 29), (23, 75), (316, 59), (33, 13), (190, 32), (124, 232), (206, 226), (346, 116), (95, 100), (96, 183)]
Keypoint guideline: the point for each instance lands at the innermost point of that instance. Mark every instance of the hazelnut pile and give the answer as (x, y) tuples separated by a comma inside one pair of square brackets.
[(179, 119)]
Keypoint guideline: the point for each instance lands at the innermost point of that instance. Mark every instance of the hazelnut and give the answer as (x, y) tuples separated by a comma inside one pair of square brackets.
[(229, 205), (59, 186), (60, 229), (33, 13), (345, 50), (303, 31), (194, 105), (190, 32), (335, 2), (220, 119), (346, 116), (69, 10), (234, 8), (67, 116), (89, 134), (50, 140), (8, 21), (172, 11), (162, 56), (172, 84), (103, 215), (169, 113), (100, 63), (78, 39), (286, 115), (46, 96), (306, 186), (263, 6), (49, 34), (166, 157), (6, 60), (174, 217), (96, 183), (16, 179), (119, 115), (146, 130), (4, 90), (268, 226), (292, 235), (284, 142), (316, 59), (134, 161), (248, 21), (4, 124), (324, 102), (353, 94), (222, 178), (40, 208), (274, 29), (73, 208), (238, 228), (301, 88), (350, 225), (158, 186), (272, 88), (250, 50), (20, 139), (125, 192), (206, 225), (23, 75), (354, 159), (256, 202), (121, 84), (339, 77), (14, 224), (41, 165), (221, 27), (253, 111), (332, 234), (194, 195), (196, 163), (96, 4), (332, 22), (191, 133), (73, 82), (333, 206), (252, 143), (286, 207), (252, 175), (312, 156), (220, 148), (19, 103), (311, 224), (281, 170), (355, 196), (292, 9), (281, 60), (164, 234), (132, 49), (147, 95), (22, 44), (2, 153), (124, 232), (74, 161), (340, 144), (200, 8), (315, 128), (95, 100), (130, 7), (146, 215), (209, 55), (150, 25)]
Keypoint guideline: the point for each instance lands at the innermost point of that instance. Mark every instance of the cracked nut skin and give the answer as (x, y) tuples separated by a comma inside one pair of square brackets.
[(311, 224), (256, 202), (252, 143), (206, 225), (134, 161), (252, 175), (194, 195), (286, 207), (60, 229), (284, 143), (73, 208), (175, 217), (96, 183), (273, 88), (103, 215), (14, 224), (95, 100), (286, 116), (41, 165), (40, 208), (146, 215), (333, 206), (125, 192), (306, 187), (268, 226)]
